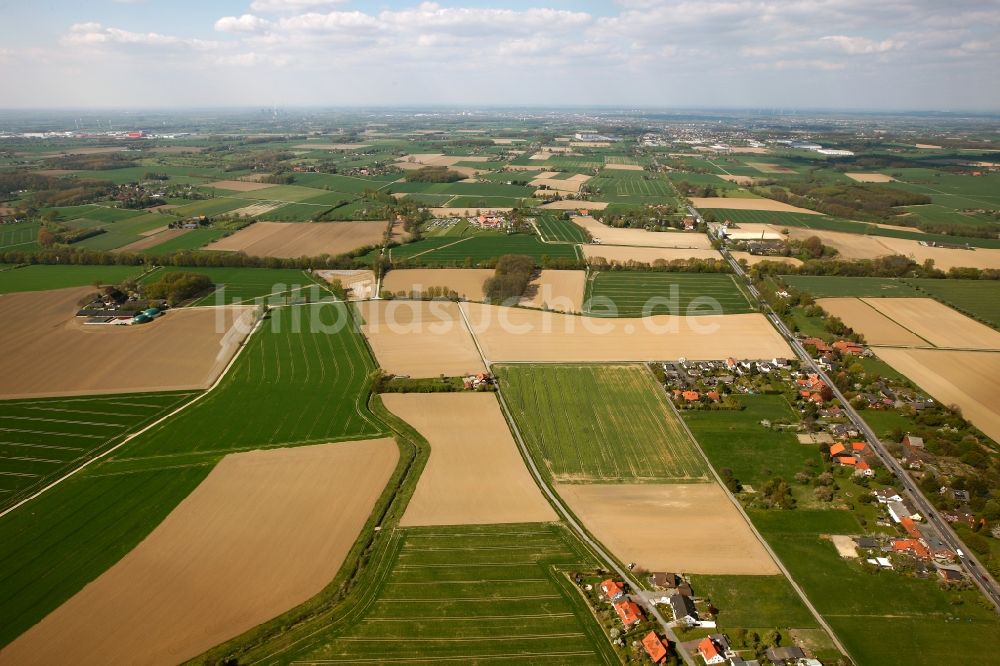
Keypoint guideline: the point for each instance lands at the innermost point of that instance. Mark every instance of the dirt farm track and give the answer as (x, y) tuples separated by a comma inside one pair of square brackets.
[(57, 355), (265, 531)]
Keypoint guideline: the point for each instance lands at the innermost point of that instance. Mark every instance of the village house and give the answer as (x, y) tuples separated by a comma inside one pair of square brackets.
[(821, 346), (655, 647), (713, 648), (913, 451), (612, 590), (628, 612), (960, 517), (852, 456), (886, 495), (911, 546), (683, 609), (897, 510), (740, 661), (784, 656)]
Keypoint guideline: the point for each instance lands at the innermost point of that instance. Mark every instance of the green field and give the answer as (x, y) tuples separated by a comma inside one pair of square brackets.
[(636, 188), (734, 439), (471, 594), (447, 251), (338, 183), (821, 286), (96, 212), (46, 437), (189, 240), (123, 232), (886, 617), (54, 546), (284, 193), (600, 423), (39, 277), (754, 601), (211, 207), (243, 285), (302, 379), (641, 294), (977, 298), (556, 229), (465, 189), (298, 212), (289, 386), (22, 236)]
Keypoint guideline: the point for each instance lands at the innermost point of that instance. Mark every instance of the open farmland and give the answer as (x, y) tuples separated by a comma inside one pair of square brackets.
[(277, 239), (45, 438), (445, 251), (466, 282), (57, 355), (596, 423), (302, 379), (556, 229), (22, 236), (734, 203), (532, 336), (419, 339), (561, 291), (263, 532), (877, 328), (968, 379), (626, 255), (976, 298), (245, 285), (631, 187), (39, 277), (640, 237), (637, 294), (453, 490), (621, 516), (472, 594), (822, 286)]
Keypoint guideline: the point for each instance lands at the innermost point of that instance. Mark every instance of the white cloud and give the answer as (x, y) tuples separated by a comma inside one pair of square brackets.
[(861, 45), (244, 23), (292, 5)]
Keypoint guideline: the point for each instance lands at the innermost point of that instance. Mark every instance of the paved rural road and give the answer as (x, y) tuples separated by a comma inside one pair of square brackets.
[(571, 519), (987, 585)]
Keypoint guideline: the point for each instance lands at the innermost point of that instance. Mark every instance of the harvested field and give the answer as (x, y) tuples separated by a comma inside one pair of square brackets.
[(468, 282), (85, 150), (869, 322), (300, 239), (845, 546), (640, 237), (620, 516), (522, 335), (752, 259), (622, 254), (256, 209), (571, 185), (856, 246), (332, 146), (264, 532), (740, 180), (573, 204), (968, 379), (926, 146), (239, 185), (870, 177), (176, 150), (765, 167), (360, 285), (561, 291), (624, 167), (937, 323), (468, 480), (152, 240), (589, 144), (420, 339), (58, 355), (737, 203)]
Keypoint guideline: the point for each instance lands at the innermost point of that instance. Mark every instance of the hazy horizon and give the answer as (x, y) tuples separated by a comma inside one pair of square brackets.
[(835, 55)]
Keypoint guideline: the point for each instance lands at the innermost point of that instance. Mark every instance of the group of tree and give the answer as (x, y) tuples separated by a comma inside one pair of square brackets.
[(511, 277), (178, 287), (850, 201), (433, 174)]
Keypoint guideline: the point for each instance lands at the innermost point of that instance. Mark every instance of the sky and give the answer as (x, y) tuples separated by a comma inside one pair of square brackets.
[(757, 54)]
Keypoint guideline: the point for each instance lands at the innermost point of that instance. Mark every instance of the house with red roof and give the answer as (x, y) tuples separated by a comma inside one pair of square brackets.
[(713, 396), (711, 651), (848, 347), (628, 612), (691, 396), (612, 589), (911, 546), (655, 647), (910, 526)]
